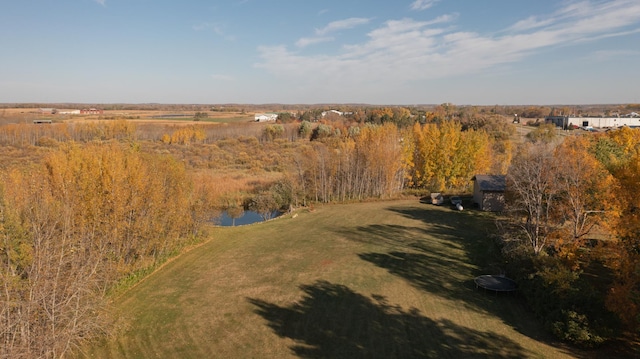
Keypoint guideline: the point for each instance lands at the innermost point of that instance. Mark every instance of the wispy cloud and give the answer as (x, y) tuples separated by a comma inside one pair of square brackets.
[(321, 34), (215, 28), (423, 4), (609, 35), (306, 41), (101, 2), (532, 22), (202, 26), (408, 50), (342, 25)]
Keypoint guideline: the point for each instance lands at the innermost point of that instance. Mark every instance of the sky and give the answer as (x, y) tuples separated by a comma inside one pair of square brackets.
[(393, 52)]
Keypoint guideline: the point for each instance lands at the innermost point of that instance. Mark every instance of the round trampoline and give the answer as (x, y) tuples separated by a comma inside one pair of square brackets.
[(496, 283)]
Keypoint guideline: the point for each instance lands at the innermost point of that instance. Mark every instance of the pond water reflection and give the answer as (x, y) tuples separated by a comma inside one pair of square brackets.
[(248, 217)]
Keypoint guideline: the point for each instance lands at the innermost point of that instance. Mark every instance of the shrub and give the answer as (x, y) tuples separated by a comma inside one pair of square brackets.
[(271, 132), (569, 306), (321, 132), (305, 129), (47, 142), (566, 301), (263, 203), (574, 327)]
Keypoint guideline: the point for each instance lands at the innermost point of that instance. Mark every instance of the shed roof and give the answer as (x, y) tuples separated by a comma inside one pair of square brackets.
[(491, 183)]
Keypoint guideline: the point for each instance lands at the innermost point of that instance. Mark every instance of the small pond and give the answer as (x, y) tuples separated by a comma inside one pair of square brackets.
[(248, 217)]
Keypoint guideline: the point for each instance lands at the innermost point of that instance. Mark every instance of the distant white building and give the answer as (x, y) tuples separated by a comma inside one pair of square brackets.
[(91, 111), (266, 117), (324, 113), (567, 122)]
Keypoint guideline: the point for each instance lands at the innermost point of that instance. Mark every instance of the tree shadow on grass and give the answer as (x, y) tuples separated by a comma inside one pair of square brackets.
[(437, 274), (469, 230), (442, 254), (332, 321), (436, 230)]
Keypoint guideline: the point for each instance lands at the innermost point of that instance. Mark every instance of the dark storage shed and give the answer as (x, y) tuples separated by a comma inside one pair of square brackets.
[(488, 192)]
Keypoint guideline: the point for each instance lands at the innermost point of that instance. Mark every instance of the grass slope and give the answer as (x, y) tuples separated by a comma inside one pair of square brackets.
[(371, 280)]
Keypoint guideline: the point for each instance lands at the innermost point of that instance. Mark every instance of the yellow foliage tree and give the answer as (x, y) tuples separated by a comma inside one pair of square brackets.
[(443, 157), (624, 259), (187, 135), (380, 149), (72, 226), (628, 139)]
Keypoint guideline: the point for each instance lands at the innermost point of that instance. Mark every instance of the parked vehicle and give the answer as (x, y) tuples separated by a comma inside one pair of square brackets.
[(456, 202), (437, 198)]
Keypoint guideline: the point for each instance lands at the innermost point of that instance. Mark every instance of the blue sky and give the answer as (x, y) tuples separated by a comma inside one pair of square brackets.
[(306, 51)]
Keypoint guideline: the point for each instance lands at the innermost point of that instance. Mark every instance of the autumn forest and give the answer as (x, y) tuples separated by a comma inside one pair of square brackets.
[(89, 207)]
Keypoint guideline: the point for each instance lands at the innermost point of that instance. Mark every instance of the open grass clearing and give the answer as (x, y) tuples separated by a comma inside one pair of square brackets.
[(368, 280)]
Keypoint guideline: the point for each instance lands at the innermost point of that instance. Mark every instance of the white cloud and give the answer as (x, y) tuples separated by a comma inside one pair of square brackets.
[(423, 4), (306, 41), (101, 2), (529, 23), (342, 25), (442, 19), (611, 34), (584, 16), (331, 27), (407, 51)]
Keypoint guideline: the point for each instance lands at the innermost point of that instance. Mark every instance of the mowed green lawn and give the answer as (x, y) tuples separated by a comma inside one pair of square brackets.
[(369, 280)]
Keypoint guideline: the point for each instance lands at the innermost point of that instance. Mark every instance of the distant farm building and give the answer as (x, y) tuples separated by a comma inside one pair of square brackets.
[(48, 111), (488, 192), (266, 117), (91, 111), (567, 122), (336, 112)]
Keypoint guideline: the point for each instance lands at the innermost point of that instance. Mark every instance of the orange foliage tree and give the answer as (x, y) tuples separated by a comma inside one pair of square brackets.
[(587, 188), (624, 297)]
